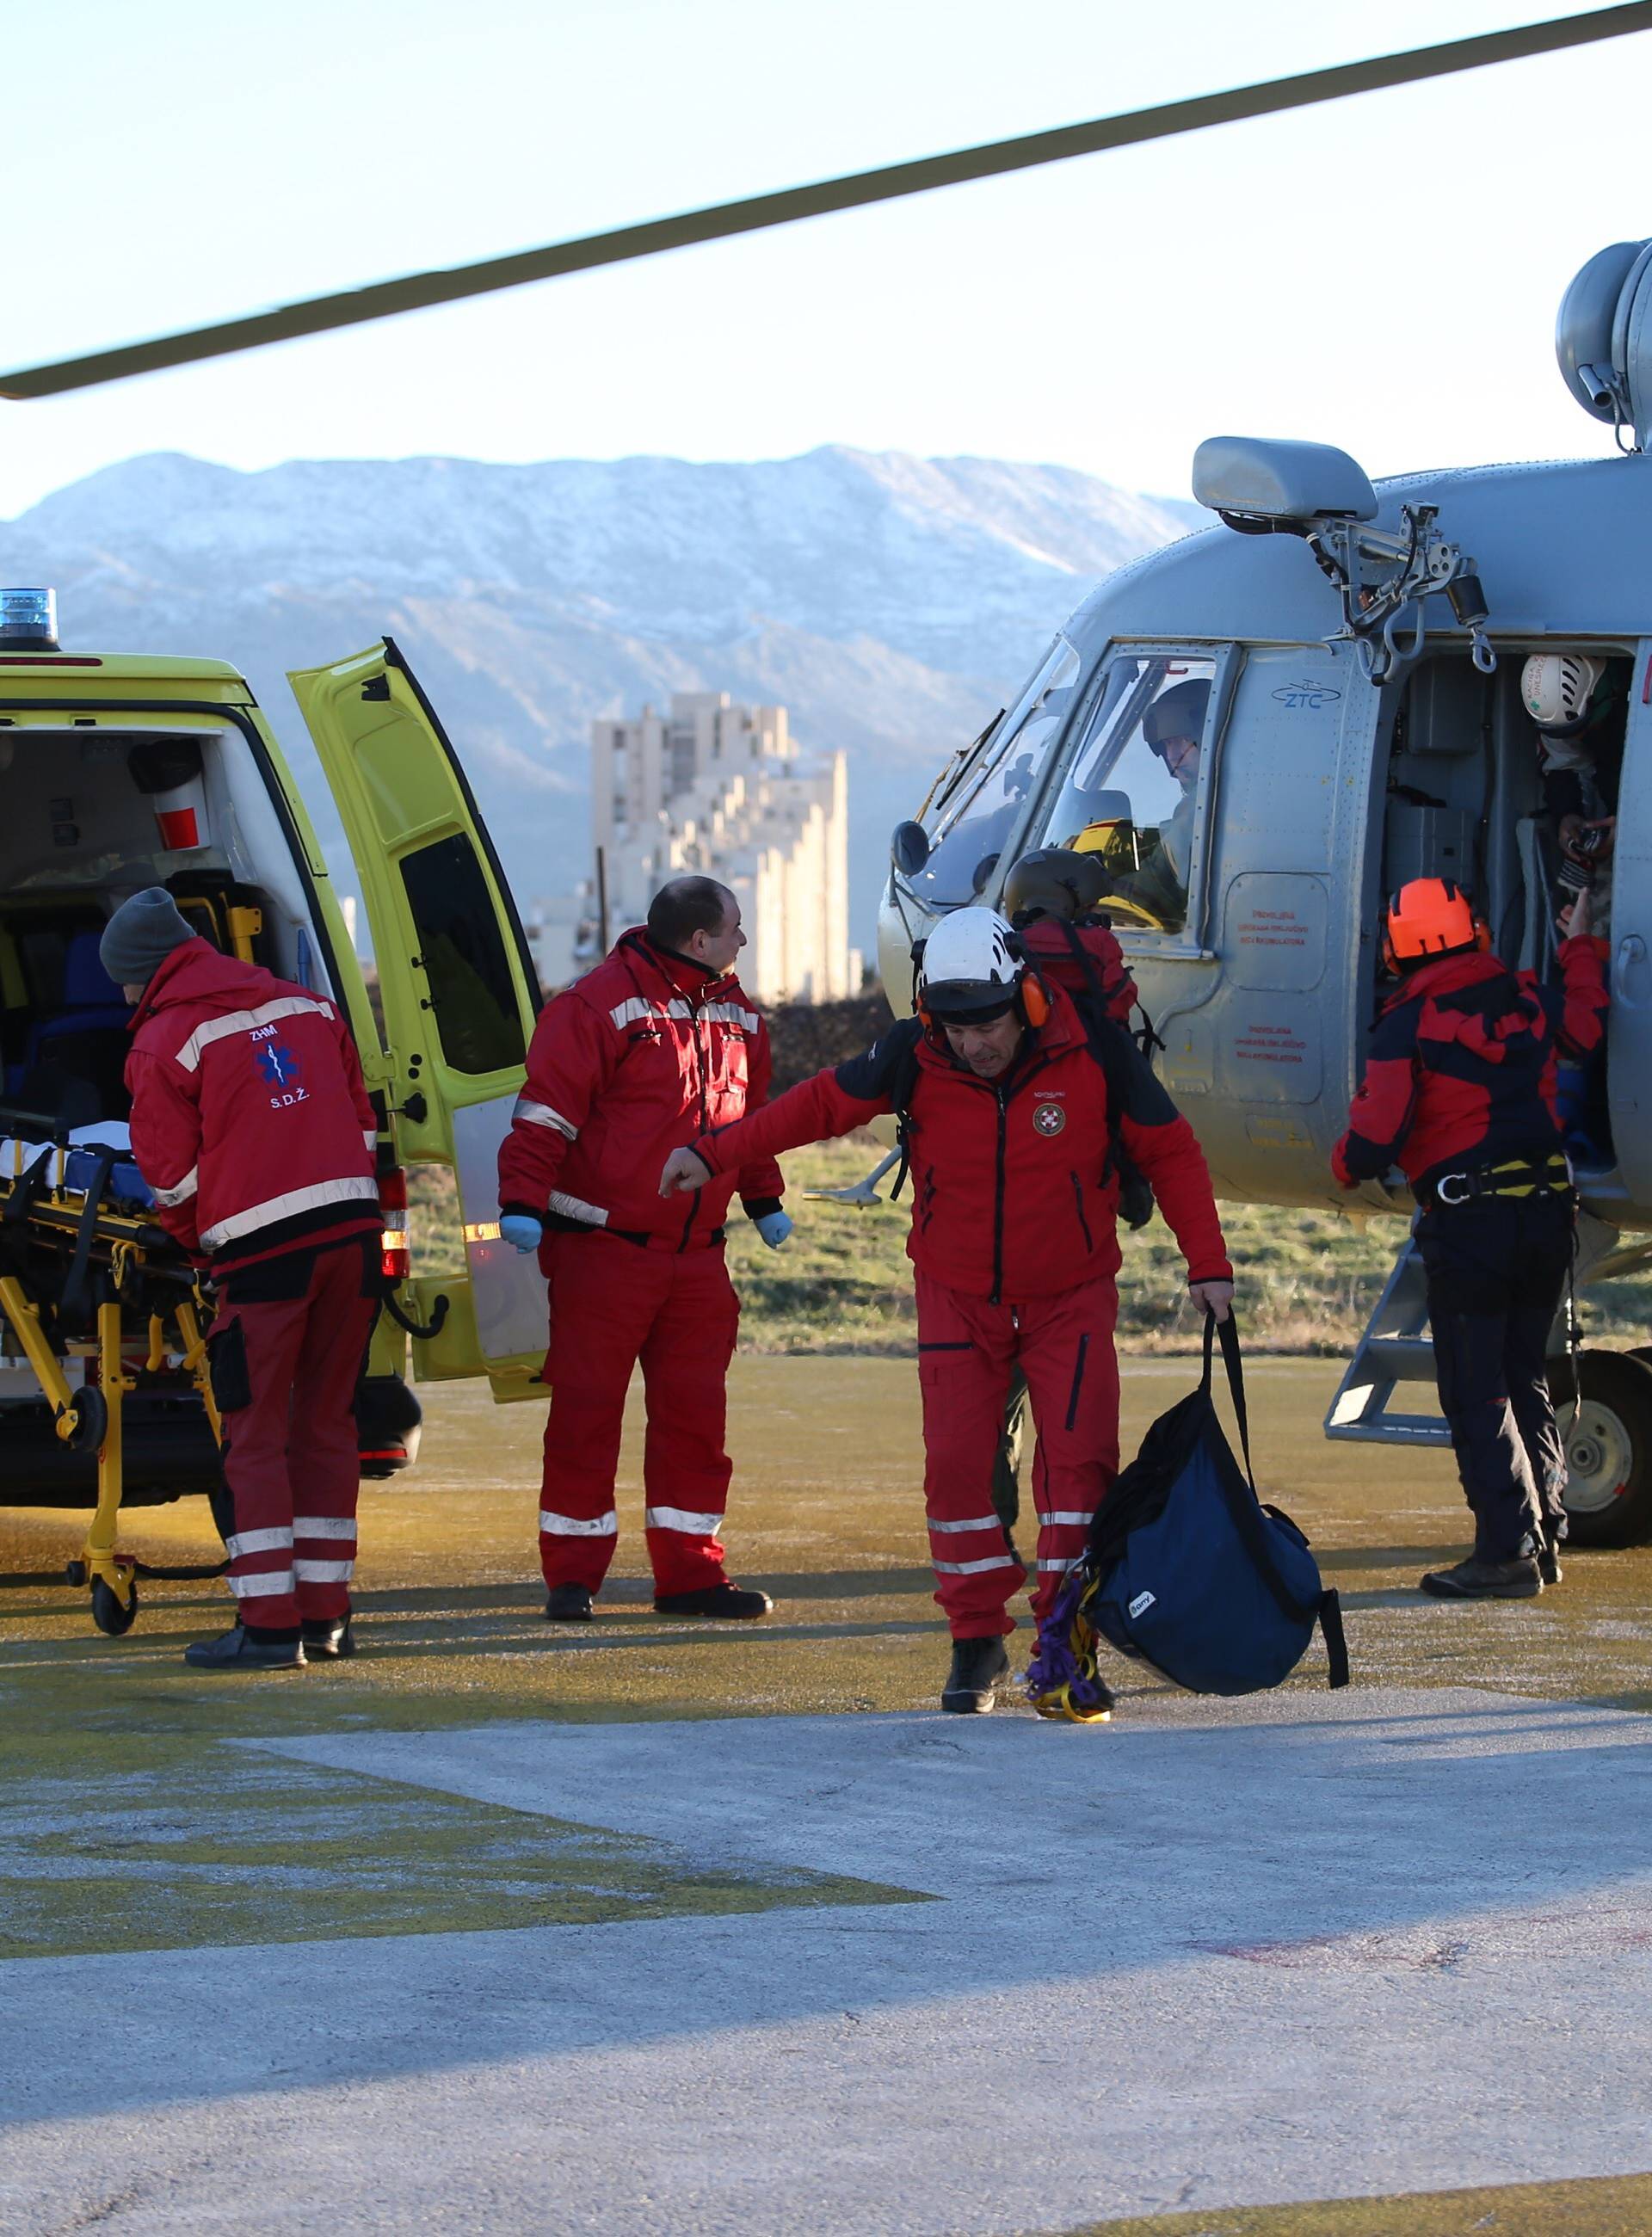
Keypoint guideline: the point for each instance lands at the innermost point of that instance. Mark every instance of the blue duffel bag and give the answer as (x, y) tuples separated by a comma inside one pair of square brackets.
[(1188, 1570)]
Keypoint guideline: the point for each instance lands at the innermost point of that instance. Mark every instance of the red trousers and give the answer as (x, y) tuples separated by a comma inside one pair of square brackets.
[(284, 1371), (966, 1349), (612, 1303)]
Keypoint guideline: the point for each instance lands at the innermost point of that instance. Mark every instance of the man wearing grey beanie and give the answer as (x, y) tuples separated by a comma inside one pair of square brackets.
[(252, 1126)]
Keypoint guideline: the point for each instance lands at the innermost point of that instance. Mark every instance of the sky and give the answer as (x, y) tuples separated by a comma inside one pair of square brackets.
[(1381, 273)]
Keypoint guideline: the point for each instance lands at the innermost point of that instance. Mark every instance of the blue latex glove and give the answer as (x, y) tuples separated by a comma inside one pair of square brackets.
[(521, 1232), (774, 1227)]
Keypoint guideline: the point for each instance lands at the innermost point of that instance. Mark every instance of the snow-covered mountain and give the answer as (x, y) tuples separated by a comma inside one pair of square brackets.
[(891, 602)]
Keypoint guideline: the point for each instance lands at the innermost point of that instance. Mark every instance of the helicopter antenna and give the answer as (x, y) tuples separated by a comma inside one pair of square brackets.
[(419, 291)]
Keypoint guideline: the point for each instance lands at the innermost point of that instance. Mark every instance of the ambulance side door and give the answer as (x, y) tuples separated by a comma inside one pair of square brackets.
[(457, 986)]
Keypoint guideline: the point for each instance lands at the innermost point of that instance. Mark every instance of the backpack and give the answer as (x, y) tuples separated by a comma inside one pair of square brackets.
[(1188, 1570)]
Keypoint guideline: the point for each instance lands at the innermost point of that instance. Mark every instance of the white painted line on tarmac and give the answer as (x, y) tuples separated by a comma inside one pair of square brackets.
[(1225, 1953)]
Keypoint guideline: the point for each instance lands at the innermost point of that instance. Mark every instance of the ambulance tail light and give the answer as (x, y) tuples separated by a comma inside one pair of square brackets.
[(395, 1257)]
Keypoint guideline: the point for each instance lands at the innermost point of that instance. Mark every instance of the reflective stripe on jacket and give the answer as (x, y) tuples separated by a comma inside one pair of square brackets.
[(628, 1064)]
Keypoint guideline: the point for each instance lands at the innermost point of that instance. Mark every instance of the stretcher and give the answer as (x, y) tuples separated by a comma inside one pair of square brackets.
[(90, 1279)]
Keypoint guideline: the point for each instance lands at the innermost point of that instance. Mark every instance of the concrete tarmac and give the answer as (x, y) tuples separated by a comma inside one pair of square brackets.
[(662, 1928)]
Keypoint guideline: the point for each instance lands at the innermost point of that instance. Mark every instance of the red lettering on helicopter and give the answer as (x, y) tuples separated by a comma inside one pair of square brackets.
[(1269, 1044), (1272, 929)]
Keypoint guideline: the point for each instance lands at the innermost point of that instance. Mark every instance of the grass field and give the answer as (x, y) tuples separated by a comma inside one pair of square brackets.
[(1309, 1279)]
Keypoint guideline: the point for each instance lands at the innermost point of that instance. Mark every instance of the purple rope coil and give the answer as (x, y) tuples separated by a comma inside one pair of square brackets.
[(1061, 1679)]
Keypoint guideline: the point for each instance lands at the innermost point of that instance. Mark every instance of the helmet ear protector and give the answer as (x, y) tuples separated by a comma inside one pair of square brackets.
[(1035, 1000)]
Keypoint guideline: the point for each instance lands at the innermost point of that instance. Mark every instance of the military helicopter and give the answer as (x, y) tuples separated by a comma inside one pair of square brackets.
[(1271, 724)]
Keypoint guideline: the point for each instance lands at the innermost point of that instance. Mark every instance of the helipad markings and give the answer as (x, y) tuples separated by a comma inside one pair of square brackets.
[(1221, 1955)]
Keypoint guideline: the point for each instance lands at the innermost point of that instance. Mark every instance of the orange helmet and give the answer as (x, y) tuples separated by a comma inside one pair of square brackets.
[(1430, 916)]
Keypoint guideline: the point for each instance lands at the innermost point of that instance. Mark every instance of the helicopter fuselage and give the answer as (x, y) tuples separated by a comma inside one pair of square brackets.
[(1251, 880)]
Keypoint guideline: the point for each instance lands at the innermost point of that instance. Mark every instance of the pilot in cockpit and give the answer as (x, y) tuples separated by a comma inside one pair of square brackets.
[(1172, 728)]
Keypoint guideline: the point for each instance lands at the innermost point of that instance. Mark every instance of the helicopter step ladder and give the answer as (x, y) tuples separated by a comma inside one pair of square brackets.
[(1396, 1351)]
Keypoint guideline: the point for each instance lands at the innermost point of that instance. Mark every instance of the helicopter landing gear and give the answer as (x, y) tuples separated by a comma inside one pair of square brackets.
[(1606, 1426)]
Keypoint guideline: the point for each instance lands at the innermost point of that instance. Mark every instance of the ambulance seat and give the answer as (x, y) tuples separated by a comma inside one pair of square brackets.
[(83, 1045)]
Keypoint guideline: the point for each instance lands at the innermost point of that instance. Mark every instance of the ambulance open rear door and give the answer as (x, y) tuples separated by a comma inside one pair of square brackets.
[(458, 983)]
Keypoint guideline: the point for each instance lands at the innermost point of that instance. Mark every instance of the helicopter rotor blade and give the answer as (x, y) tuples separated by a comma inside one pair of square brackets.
[(423, 290)]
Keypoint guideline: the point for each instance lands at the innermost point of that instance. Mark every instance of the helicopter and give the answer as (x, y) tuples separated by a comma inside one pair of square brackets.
[(1351, 678)]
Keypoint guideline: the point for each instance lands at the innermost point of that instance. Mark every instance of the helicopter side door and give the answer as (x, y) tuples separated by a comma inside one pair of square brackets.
[(458, 987)]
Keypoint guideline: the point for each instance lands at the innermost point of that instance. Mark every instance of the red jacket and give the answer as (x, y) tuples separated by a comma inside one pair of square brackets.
[(1060, 952), (250, 1120), (1012, 1192), (1461, 1065), (627, 1064)]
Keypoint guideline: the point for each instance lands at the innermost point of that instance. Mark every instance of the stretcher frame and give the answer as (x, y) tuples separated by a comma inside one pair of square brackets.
[(74, 1240)]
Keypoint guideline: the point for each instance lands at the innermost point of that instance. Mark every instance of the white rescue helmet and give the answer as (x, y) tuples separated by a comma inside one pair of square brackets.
[(970, 972), (1556, 687)]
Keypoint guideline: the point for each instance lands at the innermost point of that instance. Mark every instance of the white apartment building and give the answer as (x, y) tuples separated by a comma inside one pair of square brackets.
[(720, 789)]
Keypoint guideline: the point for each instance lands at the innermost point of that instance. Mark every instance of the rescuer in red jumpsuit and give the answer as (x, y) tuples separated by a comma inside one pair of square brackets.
[(1012, 1147), (1459, 1092), (251, 1125), (655, 1045)]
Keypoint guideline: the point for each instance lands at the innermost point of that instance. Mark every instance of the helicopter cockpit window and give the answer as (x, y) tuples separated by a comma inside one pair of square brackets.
[(1131, 788), (976, 823)]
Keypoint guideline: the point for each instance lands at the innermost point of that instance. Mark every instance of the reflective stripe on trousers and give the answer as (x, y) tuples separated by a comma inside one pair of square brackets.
[(612, 1308), (967, 1351)]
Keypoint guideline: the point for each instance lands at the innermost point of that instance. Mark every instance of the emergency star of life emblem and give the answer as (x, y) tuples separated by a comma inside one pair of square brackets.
[(1049, 1118), (279, 1064)]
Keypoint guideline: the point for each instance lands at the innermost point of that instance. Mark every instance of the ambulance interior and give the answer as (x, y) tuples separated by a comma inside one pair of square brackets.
[(1464, 801), (89, 814)]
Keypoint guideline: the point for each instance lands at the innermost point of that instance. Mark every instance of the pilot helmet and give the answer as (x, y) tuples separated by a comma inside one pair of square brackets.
[(1178, 713), (970, 972), (1429, 918), (1054, 881), (1556, 688)]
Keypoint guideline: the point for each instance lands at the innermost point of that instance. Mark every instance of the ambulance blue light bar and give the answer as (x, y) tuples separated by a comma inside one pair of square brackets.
[(27, 620)]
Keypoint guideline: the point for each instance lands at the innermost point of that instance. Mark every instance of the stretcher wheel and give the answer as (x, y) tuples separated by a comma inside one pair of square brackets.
[(74, 1572), (109, 1613), (91, 1420), (1607, 1437)]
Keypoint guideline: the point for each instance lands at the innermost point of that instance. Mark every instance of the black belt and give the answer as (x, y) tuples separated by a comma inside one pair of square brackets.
[(1511, 1176)]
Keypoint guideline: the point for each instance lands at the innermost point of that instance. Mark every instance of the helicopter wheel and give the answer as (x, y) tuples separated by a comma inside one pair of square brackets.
[(1607, 1432), (109, 1613)]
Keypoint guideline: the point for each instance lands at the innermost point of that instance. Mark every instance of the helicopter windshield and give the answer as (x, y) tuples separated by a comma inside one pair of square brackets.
[(1129, 792), (980, 817)]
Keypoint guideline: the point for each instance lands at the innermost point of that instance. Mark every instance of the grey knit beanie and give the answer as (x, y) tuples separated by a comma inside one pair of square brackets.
[(140, 936)]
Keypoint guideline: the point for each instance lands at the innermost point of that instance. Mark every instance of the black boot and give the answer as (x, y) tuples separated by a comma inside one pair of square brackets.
[(328, 1639), (732, 1603), (977, 1665), (1479, 1579), (241, 1649), (568, 1604)]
